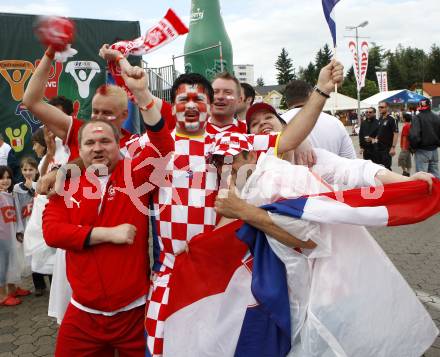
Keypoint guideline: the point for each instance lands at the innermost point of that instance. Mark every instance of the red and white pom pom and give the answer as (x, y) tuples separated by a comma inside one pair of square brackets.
[(55, 31)]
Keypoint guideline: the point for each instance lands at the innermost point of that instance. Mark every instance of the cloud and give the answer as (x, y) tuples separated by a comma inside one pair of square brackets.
[(259, 29), (44, 7)]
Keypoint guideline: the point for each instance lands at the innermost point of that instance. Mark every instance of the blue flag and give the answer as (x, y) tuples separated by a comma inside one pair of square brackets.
[(328, 6)]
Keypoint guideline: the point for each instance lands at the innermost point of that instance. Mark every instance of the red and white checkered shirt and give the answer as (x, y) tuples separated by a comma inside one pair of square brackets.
[(183, 208), (237, 126)]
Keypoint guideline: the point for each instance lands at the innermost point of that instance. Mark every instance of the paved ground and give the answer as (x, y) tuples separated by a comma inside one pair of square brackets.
[(26, 330)]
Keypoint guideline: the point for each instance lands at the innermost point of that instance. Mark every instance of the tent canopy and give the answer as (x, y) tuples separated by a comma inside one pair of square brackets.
[(401, 96), (338, 102)]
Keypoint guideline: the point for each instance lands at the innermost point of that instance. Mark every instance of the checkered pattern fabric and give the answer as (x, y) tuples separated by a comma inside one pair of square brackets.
[(237, 126), (182, 209), (231, 144)]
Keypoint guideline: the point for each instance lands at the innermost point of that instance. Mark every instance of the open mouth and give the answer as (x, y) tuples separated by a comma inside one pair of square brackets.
[(266, 130), (191, 115)]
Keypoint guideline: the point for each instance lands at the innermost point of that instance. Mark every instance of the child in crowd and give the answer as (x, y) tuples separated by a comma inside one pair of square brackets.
[(404, 160), (42, 256), (10, 273), (24, 193)]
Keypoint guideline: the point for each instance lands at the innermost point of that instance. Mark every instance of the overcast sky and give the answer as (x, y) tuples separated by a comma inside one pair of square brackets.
[(260, 28)]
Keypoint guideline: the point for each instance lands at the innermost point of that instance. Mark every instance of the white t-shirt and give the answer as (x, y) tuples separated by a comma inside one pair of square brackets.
[(329, 134), (4, 152)]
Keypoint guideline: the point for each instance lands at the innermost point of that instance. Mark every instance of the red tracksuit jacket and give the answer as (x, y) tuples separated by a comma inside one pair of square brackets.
[(107, 276)]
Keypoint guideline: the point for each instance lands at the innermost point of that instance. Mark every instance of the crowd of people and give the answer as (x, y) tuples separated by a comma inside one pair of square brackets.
[(86, 223), (420, 136)]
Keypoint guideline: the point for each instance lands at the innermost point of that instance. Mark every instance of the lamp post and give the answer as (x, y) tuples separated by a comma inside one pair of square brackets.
[(362, 24)]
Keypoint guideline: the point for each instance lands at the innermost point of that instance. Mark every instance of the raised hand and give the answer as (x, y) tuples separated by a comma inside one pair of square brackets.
[(331, 75)]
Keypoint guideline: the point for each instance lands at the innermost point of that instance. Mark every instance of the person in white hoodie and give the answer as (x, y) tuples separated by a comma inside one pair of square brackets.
[(346, 297)]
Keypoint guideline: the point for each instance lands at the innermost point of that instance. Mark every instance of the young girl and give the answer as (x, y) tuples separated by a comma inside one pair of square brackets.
[(42, 256), (24, 193), (9, 268)]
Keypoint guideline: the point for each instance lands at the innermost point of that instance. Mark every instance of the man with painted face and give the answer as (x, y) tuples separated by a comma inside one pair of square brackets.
[(183, 207)]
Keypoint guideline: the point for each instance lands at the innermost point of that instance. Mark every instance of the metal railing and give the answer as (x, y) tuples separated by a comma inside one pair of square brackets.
[(161, 80)]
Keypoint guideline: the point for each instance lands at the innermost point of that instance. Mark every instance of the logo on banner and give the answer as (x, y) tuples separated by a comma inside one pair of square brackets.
[(54, 78), (360, 64), (382, 81), (16, 137), (27, 116), (83, 72), (16, 73), (8, 214)]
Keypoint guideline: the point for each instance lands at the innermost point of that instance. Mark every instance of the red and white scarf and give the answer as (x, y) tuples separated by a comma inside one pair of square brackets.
[(166, 30)]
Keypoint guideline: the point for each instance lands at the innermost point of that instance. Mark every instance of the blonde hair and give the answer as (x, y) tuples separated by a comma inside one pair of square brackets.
[(118, 93)]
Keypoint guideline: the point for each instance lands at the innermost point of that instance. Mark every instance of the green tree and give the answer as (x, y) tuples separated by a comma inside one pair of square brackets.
[(395, 76), (322, 58), (369, 89), (260, 81), (308, 74), (349, 87), (432, 68), (375, 61), (284, 66)]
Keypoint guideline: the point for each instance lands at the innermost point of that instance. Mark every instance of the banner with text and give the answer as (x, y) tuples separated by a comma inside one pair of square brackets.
[(382, 81), (360, 64)]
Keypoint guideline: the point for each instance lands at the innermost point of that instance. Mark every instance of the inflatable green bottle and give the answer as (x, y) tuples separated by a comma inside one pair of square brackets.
[(206, 29)]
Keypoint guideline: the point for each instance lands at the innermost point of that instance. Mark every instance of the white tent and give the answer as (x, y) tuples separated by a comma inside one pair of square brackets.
[(374, 100), (339, 102)]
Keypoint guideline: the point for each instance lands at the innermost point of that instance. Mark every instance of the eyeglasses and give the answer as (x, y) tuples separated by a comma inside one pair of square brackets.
[(370, 112), (381, 107)]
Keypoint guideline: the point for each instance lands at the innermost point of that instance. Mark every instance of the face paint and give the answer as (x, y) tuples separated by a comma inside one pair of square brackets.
[(98, 129), (191, 107)]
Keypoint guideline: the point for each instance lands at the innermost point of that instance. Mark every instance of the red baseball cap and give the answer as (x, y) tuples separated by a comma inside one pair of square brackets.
[(258, 107)]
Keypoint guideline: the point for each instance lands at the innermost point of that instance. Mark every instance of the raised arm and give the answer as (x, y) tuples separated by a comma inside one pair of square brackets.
[(55, 119), (297, 130), (126, 68)]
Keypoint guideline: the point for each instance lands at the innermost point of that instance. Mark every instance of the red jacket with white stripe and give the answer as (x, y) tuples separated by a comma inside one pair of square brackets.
[(107, 276)]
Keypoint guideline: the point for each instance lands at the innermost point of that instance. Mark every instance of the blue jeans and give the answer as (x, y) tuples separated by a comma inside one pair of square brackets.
[(427, 161)]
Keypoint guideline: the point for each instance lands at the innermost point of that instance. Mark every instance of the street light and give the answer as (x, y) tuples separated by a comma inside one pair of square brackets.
[(362, 24)]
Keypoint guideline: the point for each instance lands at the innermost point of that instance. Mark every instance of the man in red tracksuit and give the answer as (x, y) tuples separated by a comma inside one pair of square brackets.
[(104, 231)]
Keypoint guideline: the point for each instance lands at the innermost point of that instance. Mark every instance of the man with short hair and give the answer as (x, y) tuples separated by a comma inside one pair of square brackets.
[(387, 136), (227, 97), (184, 206), (104, 234), (367, 133), (328, 133), (247, 99), (425, 138)]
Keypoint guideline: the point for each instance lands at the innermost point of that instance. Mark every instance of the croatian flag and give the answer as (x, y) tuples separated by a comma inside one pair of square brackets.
[(228, 294), (328, 6)]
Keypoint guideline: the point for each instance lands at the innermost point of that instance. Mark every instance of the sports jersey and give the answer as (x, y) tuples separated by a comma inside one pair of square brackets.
[(183, 207), (105, 277), (237, 126)]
